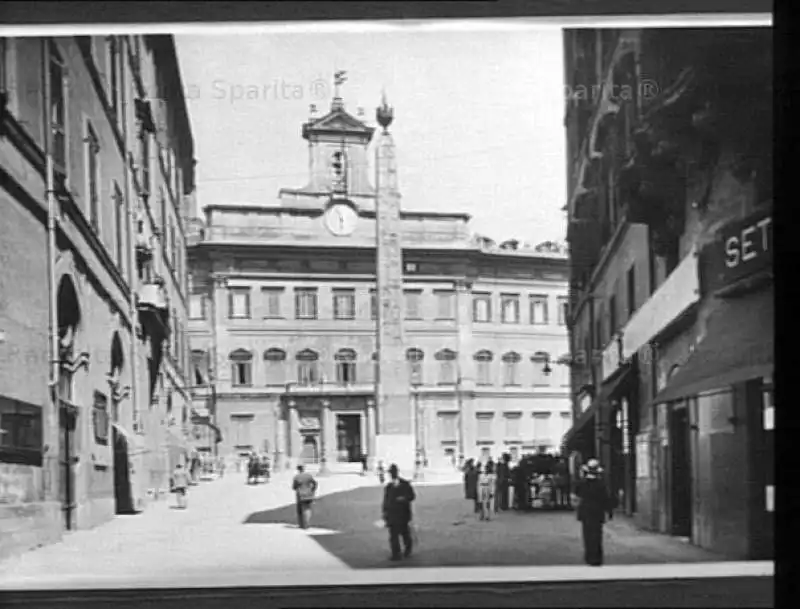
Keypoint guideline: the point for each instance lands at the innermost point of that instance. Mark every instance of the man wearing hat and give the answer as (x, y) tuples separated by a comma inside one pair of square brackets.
[(397, 498), (595, 504)]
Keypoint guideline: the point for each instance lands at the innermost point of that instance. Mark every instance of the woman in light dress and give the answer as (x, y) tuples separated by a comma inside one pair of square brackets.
[(487, 480)]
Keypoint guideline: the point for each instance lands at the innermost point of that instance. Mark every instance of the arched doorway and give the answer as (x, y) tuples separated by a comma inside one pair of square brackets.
[(310, 452), (69, 319), (123, 499)]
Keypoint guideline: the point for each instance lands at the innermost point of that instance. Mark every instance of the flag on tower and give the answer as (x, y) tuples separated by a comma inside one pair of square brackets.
[(339, 77)]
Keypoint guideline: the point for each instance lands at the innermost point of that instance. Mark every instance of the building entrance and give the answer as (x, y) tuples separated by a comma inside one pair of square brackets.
[(66, 462), (348, 438), (122, 484), (310, 452), (681, 474)]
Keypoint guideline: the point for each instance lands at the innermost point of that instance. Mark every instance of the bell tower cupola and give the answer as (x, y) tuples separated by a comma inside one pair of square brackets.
[(338, 145)]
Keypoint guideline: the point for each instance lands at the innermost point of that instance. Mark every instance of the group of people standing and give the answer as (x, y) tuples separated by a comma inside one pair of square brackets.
[(258, 466), (488, 487), (517, 485)]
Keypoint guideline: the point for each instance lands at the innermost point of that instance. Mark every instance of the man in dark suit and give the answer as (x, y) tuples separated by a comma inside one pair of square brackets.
[(304, 487), (397, 498), (595, 505)]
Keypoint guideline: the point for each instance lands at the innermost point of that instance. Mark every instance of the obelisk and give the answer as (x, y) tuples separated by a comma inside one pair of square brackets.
[(395, 437)]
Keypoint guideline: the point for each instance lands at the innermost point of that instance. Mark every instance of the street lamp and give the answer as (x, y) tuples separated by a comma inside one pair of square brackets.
[(418, 461), (466, 286)]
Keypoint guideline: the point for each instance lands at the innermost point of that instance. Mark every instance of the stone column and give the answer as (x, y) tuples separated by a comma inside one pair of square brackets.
[(292, 440), (363, 441), (371, 431), (324, 427)]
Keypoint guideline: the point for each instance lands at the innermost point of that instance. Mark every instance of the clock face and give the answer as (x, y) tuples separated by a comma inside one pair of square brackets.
[(341, 219)]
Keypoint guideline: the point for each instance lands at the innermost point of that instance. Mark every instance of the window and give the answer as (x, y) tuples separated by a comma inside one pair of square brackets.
[(21, 436), (92, 147), (484, 420), (445, 305), (539, 311), (513, 425), (144, 160), (308, 367), (58, 108), (541, 366), (412, 298), (162, 201), (344, 304), (612, 316), (100, 421), (118, 204), (241, 368), (271, 297), (563, 311), (345, 366), (113, 75), (197, 306), (86, 44), (173, 244), (563, 370), (483, 367), (239, 303), (599, 339), (566, 424), (509, 304), (305, 303), (511, 368), (448, 427), (447, 368), (275, 363), (482, 308), (339, 171), (373, 305), (541, 429), (240, 430), (200, 362), (631, 285), (414, 358)]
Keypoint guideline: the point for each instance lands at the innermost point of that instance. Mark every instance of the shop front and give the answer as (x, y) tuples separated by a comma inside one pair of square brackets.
[(721, 397)]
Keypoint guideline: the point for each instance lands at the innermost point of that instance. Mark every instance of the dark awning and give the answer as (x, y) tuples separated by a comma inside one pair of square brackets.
[(738, 346), (606, 391)]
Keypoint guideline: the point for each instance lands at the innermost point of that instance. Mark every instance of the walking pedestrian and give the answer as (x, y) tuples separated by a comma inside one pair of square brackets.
[(180, 484), (503, 483), (487, 485), (471, 484), (595, 504), (381, 472), (397, 498), (305, 488), (364, 464)]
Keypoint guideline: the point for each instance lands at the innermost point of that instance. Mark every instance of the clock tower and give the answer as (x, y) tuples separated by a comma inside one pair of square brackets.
[(338, 145)]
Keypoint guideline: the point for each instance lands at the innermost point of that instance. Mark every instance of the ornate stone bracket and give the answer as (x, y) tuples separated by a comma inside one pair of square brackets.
[(80, 361)]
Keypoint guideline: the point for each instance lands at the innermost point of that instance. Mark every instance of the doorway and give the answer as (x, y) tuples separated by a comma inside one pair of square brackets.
[(123, 500), (681, 471), (66, 463), (310, 452), (348, 438)]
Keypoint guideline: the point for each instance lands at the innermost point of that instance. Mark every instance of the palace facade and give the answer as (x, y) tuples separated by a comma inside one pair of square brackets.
[(283, 320)]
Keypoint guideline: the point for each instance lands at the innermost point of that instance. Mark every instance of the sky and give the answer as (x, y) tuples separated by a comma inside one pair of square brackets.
[(478, 117)]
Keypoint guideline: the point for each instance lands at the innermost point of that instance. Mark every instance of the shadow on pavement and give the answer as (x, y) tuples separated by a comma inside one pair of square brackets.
[(449, 534)]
